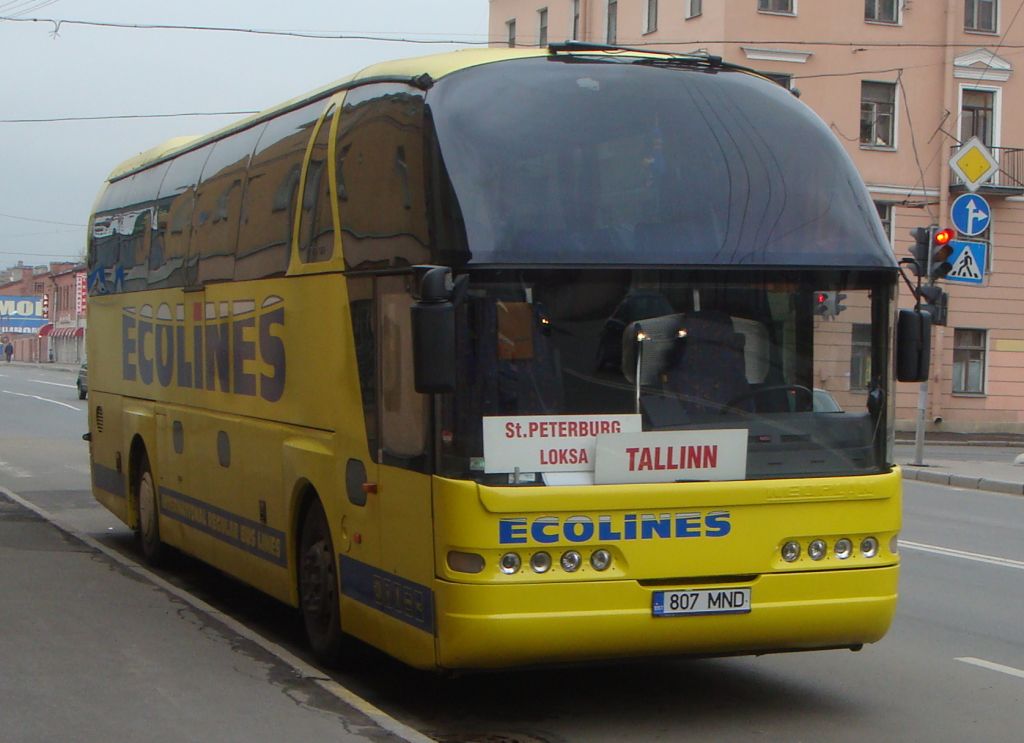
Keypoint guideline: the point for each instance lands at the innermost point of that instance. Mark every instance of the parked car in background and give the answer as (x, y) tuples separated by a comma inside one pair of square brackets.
[(83, 382), (824, 402)]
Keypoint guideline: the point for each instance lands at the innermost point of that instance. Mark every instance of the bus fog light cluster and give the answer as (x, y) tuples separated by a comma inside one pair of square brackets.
[(571, 561), (817, 549)]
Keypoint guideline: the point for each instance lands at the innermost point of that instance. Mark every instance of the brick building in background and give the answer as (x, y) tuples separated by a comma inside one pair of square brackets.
[(902, 83), (61, 337)]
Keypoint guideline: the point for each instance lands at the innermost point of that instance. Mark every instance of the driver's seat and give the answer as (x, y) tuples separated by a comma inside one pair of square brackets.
[(707, 369)]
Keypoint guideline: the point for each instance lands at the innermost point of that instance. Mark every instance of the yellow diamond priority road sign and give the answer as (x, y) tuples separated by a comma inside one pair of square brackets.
[(974, 164)]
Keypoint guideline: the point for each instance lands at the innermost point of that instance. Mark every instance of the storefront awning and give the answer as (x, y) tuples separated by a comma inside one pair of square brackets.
[(68, 332), (46, 330)]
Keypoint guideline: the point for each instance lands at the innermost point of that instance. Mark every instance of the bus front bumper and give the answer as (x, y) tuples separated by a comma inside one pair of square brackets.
[(496, 626)]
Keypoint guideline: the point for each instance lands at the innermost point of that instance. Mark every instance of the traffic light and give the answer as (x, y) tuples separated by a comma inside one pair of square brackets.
[(828, 304), (46, 305), (935, 302), (930, 250)]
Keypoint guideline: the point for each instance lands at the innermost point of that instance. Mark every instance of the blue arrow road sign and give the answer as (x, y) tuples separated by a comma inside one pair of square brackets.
[(968, 262), (971, 214)]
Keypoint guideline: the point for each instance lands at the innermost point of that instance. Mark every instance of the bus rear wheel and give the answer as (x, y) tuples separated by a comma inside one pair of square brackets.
[(318, 587), (152, 548)]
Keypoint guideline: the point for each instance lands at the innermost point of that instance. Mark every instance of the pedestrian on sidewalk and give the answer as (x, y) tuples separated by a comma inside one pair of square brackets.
[(9, 351)]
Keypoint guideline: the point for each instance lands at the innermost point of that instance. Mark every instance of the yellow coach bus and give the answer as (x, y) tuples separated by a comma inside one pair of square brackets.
[(505, 357)]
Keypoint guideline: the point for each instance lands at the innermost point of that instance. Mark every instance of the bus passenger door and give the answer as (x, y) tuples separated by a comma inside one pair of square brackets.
[(403, 483)]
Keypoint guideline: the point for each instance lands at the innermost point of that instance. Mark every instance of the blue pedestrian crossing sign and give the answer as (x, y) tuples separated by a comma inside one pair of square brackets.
[(967, 261), (970, 214)]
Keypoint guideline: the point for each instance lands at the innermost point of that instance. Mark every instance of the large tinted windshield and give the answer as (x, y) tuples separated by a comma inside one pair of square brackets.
[(571, 162), (796, 361)]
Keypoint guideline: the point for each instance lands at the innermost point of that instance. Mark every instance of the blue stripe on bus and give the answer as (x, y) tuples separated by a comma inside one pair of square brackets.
[(107, 479), (251, 536), (397, 597)]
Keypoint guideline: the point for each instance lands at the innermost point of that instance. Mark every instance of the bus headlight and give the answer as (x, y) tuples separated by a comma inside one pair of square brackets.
[(844, 548), (540, 562), (791, 551), (601, 560), (869, 547), (817, 549), (570, 561), (510, 563)]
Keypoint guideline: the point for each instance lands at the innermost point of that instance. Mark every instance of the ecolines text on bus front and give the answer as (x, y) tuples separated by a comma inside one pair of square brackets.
[(627, 527), (216, 351)]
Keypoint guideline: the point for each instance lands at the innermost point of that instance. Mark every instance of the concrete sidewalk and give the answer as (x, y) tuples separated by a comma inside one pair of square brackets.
[(977, 473)]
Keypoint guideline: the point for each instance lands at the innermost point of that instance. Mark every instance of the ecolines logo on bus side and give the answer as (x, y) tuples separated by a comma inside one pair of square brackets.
[(217, 350), (628, 527)]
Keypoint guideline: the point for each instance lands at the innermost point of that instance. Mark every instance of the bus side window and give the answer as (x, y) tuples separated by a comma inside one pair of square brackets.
[(265, 233), (380, 177), (316, 225), (176, 204), (219, 207), (364, 336)]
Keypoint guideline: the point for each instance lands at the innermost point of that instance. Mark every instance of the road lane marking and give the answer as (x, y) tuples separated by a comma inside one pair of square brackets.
[(974, 556), (380, 717), (1008, 670), (55, 384), (45, 399)]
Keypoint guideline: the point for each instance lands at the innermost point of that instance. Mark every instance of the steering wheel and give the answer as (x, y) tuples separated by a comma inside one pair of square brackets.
[(795, 389)]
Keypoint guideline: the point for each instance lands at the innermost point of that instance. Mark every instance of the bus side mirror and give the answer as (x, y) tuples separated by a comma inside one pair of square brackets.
[(433, 330), (913, 345)]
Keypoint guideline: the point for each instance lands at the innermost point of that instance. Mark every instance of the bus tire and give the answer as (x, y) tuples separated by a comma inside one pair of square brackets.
[(318, 587), (147, 502)]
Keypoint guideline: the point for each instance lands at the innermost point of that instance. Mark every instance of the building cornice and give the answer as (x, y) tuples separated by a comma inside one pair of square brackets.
[(982, 65)]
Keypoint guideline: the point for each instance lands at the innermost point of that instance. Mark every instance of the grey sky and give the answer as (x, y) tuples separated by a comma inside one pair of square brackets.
[(51, 172)]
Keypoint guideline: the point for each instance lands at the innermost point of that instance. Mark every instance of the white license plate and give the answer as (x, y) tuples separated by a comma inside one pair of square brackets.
[(702, 601)]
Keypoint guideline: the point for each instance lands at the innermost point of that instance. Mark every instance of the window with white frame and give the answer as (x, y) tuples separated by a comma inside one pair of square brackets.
[(884, 209), (511, 27), (882, 11), (860, 356), (980, 15), (776, 6), (978, 115), (878, 114), (575, 19), (542, 27), (969, 361), (613, 22), (651, 16), (694, 8)]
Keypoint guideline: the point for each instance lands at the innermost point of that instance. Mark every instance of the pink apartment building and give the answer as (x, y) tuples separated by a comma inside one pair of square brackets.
[(902, 83)]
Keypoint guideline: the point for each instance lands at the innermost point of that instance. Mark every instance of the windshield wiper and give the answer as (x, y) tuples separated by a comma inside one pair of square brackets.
[(660, 57)]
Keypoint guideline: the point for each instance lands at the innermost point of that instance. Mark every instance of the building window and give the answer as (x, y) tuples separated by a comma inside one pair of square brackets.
[(613, 22), (969, 361), (651, 21), (575, 19), (980, 15), (542, 32), (696, 7), (511, 32), (977, 116), (877, 114), (885, 216), (782, 79), (882, 11), (860, 356), (776, 6)]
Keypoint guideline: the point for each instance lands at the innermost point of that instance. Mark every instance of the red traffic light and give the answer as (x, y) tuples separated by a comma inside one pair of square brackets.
[(942, 237)]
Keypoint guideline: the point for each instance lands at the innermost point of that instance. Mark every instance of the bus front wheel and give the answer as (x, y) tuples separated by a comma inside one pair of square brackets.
[(153, 549), (318, 587)]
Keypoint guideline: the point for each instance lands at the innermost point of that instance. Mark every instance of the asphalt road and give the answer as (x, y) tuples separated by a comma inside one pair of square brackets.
[(951, 669)]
